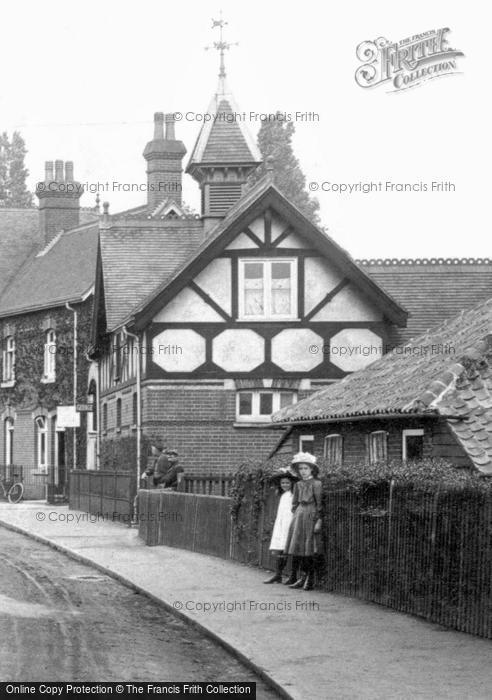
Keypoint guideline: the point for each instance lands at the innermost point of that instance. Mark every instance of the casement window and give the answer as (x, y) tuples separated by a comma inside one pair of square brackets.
[(258, 405), (333, 449), (9, 440), (118, 414), (105, 417), (134, 408), (413, 444), (378, 446), (42, 443), (306, 443), (50, 356), (8, 370), (267, 289)]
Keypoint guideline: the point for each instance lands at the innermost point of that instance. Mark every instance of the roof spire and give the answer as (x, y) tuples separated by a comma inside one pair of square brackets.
[(221, 46)]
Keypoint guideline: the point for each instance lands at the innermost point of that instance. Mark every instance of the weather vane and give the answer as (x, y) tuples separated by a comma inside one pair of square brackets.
[(221, 46)]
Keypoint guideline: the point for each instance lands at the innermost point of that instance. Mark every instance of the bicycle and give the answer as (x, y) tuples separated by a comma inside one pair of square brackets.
[(13, 492)]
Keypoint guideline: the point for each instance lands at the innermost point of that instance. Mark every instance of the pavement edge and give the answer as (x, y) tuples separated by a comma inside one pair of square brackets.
[(160, 601)]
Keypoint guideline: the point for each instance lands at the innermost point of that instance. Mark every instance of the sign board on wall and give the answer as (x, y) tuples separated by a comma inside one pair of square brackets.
[(67, 417), (85, 407)]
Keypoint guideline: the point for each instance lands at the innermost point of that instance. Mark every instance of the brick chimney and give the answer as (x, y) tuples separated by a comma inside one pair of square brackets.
[(164, 169), (59, 195)]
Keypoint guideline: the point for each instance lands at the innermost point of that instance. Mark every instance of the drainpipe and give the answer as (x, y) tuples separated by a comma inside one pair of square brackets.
[(70, 308), (139, 421)]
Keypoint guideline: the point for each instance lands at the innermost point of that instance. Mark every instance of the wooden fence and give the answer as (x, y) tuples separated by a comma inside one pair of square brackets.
[(190, 521), (213, 485), (102, 492), (428, 554)]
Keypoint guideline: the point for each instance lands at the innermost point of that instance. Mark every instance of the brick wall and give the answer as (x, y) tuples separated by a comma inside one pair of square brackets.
[(199, 423)]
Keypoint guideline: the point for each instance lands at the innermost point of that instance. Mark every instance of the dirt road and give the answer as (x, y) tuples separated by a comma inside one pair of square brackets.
[(63, 621)]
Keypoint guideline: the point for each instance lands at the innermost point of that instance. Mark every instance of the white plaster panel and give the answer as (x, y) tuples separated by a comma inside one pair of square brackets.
[(187, 306), (320, 278), (215, 280), (178, 350), (258, 228), (292, 241), (238, 350), (240, 242), (278, 227), (297, 349), (348, 305), (355, 348)]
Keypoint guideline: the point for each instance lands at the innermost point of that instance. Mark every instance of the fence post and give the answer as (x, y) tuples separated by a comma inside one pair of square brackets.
[(390, 534)]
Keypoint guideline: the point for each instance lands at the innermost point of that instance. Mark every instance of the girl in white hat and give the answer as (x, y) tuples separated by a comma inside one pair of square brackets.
[(304, 533), (285, 480)]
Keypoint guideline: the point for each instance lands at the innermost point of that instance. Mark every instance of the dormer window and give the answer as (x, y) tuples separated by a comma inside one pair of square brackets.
[(50, 356), (267, 290)]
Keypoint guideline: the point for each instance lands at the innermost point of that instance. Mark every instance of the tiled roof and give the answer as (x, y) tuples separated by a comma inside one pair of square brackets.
[(63, 271), (431, 290), (225, 138), (140, 256), (446, 372), (19, 234)]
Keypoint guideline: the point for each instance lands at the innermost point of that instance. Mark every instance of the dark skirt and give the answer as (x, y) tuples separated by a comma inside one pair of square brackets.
[(301, 540)]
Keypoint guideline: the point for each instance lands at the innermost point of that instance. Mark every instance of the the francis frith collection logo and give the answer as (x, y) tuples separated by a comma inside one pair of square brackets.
[(407, 63)]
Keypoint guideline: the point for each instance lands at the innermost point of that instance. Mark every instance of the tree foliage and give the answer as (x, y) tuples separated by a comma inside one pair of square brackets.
[(275, 141), (13, 173)]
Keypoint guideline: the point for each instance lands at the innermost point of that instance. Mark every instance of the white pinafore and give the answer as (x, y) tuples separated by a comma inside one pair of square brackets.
[(282, 522)]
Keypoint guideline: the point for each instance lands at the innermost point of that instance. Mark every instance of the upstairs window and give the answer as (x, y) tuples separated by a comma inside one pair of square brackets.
[(333, 450), (50, 356), (259, 405), (378, 446), (267, 289), (8, 372), (105, 417)]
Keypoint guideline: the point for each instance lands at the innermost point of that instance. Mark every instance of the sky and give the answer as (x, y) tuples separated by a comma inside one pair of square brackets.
[(82, 82)]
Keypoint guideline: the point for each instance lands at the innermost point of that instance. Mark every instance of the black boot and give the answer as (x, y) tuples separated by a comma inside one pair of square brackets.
[(293, 577), (277, 576), (302, 574), (309, 581)]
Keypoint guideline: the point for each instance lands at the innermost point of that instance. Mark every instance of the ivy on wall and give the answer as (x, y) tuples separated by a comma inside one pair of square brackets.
[(29, 391)]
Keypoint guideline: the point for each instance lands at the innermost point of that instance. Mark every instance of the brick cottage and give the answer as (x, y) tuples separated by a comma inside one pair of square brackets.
[(431, 397)]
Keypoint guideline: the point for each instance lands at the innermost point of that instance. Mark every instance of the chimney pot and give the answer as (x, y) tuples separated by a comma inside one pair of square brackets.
[(170, 127), (69, 171), (48, 171), (59, 170), (158, 126)]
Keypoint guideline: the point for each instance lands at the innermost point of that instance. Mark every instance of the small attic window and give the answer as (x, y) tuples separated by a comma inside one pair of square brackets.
[(171, 214)]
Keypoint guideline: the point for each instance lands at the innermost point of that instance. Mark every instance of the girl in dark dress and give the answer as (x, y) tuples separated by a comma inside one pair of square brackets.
[(303, 540)]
